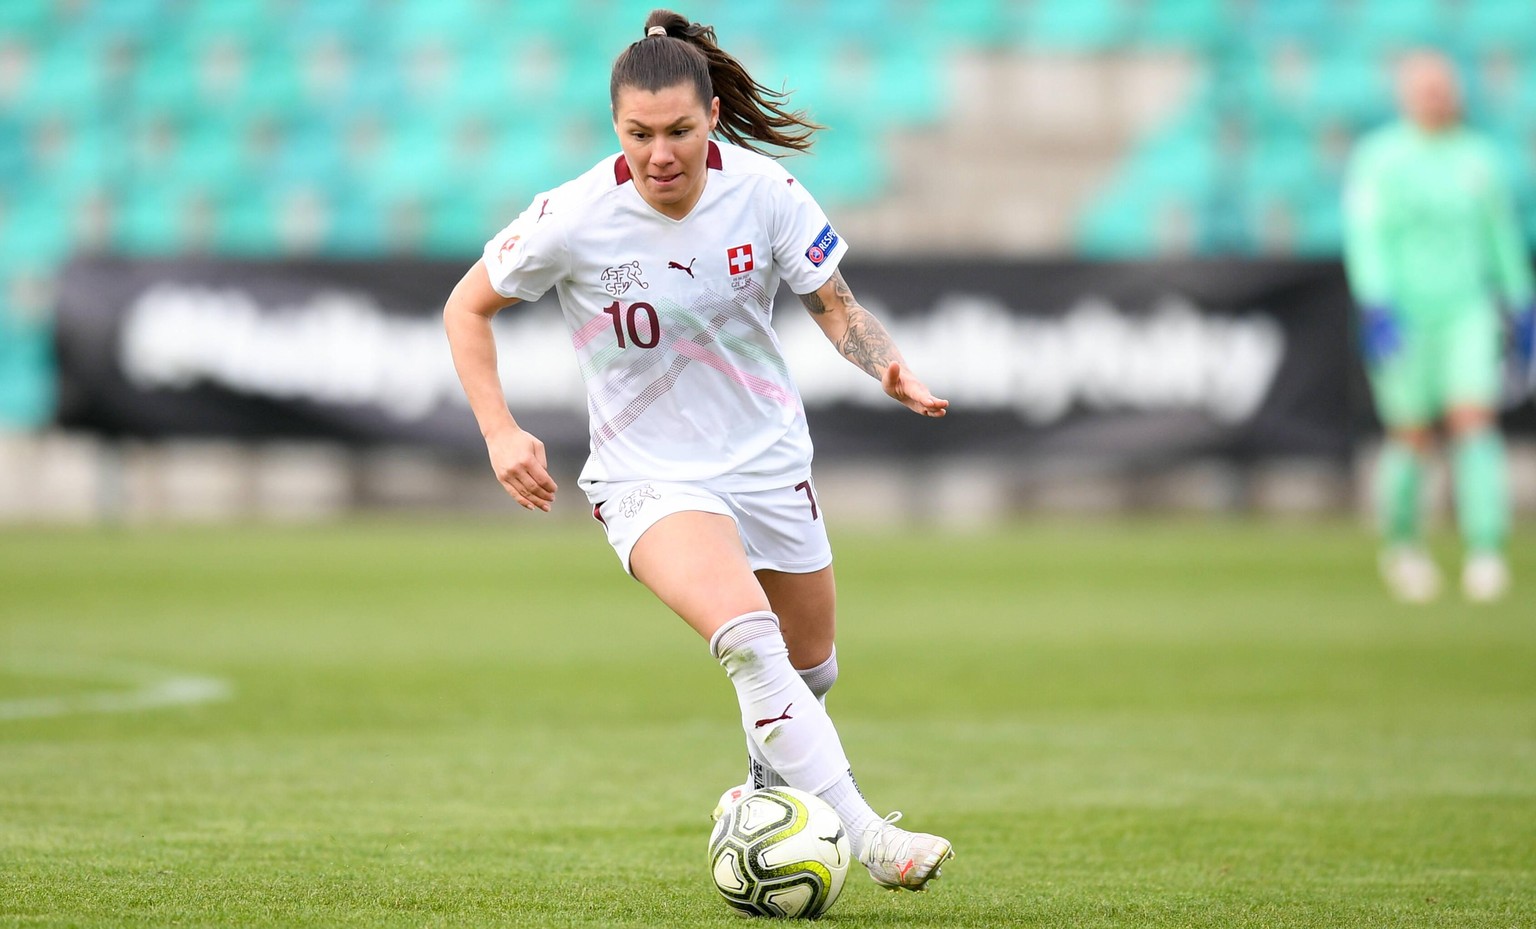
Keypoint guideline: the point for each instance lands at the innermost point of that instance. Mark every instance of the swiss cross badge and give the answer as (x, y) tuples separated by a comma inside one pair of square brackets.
[(739, 259)]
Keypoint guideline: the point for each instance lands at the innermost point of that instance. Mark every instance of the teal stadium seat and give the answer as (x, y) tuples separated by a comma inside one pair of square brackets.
[(1495, 24), (1076, 25), (1198, 24), (139, 21), (311, 154), (463, 20), (1278, 20), (864, 21), (1284, 164), (961, 23), (151, 219), (212, 154), (162, 81), (1350, 85), (355, 21), (246, 226), (251, 19), (32, 19), (356, 227), (844, 166), (1320, 232), (67, 154), (37, 231), (1396, 23), (457, 225), (1120, 223), (66, 75), (911, 81), (1174, 171)]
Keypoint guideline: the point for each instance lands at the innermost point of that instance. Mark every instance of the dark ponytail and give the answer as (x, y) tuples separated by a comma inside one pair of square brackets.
[(749, 112)]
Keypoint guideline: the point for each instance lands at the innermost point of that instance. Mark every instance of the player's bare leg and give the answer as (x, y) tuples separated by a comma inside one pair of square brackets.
[(807, 608), (1406, 568), (693, 561), (1482, 500)]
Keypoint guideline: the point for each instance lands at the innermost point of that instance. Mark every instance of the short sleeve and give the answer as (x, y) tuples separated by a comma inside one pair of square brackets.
[(529, 256), (806, 249)]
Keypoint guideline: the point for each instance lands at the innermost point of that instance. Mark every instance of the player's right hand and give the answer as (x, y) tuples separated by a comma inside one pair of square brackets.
[(1524, 336), (517, 458), (1380, 337)]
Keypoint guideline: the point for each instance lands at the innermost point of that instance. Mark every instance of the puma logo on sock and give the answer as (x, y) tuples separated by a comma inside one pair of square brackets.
[(782, 716)]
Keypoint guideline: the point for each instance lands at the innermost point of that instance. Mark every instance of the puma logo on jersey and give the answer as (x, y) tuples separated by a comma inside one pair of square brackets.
[(779, 718), (631, 502), (542, 208), (619, 279), (687, 269)]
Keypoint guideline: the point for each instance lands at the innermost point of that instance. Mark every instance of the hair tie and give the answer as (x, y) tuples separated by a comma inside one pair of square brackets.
[(655, 30)]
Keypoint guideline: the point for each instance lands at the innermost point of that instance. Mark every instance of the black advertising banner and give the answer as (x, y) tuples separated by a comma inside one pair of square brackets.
[(1139, 363)]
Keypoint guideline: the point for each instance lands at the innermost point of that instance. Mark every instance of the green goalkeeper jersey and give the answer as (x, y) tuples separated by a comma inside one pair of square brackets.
[(1430, 229)]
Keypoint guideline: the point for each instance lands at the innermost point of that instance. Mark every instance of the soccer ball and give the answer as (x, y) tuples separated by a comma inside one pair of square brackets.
[(779, 852)]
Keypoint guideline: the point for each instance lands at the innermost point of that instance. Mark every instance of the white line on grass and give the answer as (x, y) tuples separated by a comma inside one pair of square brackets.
[(146, 688)]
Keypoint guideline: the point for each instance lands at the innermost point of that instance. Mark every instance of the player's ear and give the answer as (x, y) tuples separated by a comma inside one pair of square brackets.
[(714, 113)]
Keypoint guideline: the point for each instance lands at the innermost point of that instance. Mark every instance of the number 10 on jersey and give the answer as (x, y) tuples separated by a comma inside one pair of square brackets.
[(629, 321)]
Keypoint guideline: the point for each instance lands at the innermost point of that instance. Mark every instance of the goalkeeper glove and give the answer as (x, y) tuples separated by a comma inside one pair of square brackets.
[(1524, 336), (1380, 337), (1522, 347)]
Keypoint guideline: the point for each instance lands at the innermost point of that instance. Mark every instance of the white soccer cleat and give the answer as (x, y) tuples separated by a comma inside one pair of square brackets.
[(1410, 574), (1485, 577), (729, 799), (902, 860)]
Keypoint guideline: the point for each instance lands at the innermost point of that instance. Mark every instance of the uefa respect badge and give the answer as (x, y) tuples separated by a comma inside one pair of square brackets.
[(826, 241)]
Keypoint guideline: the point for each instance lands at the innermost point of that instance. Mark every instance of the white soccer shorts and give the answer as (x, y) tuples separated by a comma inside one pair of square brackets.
[(781, 529)]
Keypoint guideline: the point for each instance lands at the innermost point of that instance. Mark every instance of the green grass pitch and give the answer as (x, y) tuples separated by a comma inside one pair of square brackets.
[(1147, 723)]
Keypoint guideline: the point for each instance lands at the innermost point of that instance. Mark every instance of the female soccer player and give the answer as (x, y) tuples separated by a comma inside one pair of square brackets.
[(1432, 249), (666, 259)]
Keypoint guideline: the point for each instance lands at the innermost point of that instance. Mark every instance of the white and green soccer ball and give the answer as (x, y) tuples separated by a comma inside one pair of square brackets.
[(778, 852)]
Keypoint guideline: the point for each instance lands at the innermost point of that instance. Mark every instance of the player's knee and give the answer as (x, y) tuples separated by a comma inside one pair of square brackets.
[(1469, 420), (1416, 439), (821, 677)]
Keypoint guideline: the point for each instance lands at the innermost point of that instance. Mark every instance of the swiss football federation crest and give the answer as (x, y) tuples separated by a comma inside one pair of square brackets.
[(617, 280), (630, 503), (507, 246), (739, 259)]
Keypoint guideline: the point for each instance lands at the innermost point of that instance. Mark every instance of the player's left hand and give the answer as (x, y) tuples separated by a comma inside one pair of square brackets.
[(906, 389), (1522, 356)]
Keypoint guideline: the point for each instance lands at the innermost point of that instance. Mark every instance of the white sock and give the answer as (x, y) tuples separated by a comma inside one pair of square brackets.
[(820, 680), (785, 722)]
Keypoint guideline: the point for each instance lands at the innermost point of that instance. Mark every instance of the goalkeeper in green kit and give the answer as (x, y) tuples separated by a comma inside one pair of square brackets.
[(1433, 254)]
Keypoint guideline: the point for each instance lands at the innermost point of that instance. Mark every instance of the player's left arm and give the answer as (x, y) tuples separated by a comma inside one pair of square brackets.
[(1512, 268), (863, 340), (1511, 257)]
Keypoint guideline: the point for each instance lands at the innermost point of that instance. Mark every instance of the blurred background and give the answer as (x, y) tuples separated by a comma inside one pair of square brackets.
[(1132, 185)]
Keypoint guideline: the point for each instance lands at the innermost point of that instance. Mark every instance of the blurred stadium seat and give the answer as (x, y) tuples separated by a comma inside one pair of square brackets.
[(80, 81), (186, 124)]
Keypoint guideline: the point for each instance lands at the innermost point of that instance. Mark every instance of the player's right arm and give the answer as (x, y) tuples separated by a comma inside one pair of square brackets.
[(517, 457), (1366, 256)]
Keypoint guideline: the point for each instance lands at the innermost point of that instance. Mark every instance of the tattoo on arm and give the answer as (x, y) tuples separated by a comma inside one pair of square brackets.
[(865, 341)]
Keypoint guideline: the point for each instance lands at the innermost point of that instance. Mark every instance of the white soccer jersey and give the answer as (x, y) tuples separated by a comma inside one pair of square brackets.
[(671, 318)]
